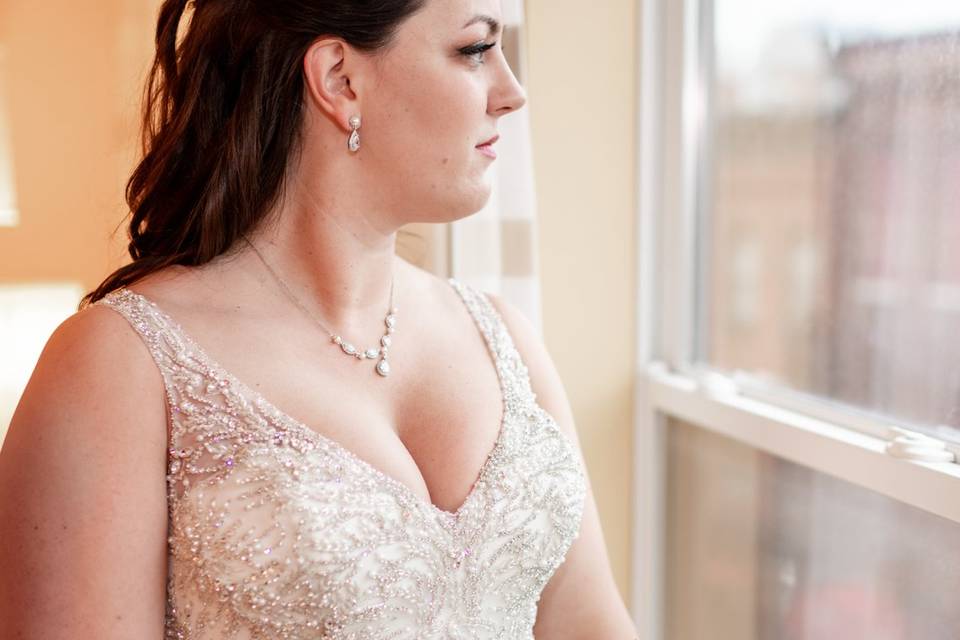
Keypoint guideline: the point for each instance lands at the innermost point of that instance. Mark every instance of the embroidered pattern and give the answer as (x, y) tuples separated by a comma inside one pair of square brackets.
[(276, 531)]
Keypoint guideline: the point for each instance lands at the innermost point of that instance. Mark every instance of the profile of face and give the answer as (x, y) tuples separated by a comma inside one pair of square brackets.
[(426, 104)]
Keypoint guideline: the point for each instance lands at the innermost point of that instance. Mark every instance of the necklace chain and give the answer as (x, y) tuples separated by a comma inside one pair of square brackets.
[(390, 321)]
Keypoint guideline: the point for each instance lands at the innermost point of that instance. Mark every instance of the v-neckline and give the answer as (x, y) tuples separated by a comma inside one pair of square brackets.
[(317, 437)]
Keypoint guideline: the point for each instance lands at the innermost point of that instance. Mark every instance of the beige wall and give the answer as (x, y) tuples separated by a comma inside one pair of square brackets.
[(581, 97), (63, 59), (70, 80)]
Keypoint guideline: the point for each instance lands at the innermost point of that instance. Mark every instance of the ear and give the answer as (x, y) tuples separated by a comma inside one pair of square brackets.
[(327, 66)]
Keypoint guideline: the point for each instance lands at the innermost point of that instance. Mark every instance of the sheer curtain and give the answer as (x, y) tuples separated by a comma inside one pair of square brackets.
[(496, 248)]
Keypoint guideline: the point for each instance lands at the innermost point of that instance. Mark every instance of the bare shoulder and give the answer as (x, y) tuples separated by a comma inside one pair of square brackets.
[(82, 488), (177, 286), (93, 351)]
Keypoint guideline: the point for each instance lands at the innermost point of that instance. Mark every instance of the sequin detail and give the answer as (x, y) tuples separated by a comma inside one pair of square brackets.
[(276, 531)]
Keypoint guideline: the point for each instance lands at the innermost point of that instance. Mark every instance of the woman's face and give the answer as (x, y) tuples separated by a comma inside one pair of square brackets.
[(435, 100)]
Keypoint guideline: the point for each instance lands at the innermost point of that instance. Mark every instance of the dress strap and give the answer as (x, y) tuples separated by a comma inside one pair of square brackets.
[(514, 376), (165, 345), (198, 401), (182, 368)]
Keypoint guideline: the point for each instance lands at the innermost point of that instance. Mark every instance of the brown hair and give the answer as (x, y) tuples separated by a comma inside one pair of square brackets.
[(222, 120)]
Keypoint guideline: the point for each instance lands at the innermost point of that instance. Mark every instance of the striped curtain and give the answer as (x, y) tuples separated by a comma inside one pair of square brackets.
[(496, 248)]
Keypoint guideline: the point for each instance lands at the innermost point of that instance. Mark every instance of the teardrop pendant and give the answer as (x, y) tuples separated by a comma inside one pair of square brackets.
[(354, 142), (383, 368)]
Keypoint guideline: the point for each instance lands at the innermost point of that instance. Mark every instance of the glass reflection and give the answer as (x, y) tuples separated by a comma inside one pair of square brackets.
[(832, 233), (761, 548)]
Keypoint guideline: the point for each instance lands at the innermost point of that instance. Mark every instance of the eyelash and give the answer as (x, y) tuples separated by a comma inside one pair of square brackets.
[(476, 50)]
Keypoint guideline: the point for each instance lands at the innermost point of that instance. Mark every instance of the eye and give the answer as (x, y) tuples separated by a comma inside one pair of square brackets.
[(477, 51)]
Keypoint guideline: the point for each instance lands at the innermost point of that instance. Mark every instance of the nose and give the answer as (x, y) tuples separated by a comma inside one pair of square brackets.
[(507, 94)]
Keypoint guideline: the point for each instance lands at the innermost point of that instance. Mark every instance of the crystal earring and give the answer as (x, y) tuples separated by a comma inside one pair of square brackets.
[(354, 142)]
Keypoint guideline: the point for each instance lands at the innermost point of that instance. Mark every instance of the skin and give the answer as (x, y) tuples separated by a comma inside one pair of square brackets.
[(82, 493)]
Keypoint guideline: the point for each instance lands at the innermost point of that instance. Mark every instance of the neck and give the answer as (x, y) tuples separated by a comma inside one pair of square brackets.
[(336, 260)]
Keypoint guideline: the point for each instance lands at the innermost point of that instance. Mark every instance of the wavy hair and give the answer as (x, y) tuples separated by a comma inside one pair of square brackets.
[(222, 119)]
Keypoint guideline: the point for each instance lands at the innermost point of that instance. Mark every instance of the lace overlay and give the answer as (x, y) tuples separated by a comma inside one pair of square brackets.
[(276, 531)]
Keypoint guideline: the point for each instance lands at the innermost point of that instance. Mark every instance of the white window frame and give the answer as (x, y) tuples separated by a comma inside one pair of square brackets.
[(673, 101)]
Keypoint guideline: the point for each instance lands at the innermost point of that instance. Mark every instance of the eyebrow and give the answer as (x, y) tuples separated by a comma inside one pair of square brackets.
[(490, 22)]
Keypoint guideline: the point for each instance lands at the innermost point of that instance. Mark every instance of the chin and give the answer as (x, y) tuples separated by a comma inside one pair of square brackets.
[(461, 205)]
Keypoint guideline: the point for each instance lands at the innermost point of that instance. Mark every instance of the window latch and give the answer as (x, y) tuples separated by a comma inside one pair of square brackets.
[(911, 445)]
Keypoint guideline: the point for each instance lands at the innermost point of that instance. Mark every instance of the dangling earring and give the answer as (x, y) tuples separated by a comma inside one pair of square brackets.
[(354, 142)]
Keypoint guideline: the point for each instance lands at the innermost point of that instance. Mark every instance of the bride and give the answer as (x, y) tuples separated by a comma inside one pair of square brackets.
[(268, 425)]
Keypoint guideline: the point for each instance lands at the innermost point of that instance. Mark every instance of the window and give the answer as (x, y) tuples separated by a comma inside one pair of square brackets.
[(798, 412), (830, 260), (759, 547)]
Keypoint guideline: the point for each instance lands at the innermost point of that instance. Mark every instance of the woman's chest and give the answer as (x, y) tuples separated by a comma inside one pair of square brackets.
[(430, 425), (302, 531)]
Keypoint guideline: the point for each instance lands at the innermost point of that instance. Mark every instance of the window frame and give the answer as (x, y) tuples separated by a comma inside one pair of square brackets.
[(674, 123)]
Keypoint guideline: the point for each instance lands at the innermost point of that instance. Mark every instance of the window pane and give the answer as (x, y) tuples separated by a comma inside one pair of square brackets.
[(761, 548), (831, 256)]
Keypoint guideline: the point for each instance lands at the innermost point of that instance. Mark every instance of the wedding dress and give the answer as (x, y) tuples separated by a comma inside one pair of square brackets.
[(276, 531)]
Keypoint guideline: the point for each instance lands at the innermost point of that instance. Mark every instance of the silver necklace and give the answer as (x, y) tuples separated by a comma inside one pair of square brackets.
[(390, 321)]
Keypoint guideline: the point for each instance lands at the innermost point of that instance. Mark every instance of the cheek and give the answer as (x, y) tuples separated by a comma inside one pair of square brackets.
[(432, 149), (445, 131), (439, 116), (429, 126)]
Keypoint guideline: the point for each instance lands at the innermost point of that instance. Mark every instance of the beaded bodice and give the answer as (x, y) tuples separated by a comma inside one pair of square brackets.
[(276, 531)]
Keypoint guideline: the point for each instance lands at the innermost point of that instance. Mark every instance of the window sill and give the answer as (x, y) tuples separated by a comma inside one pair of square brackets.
[(856, 457)]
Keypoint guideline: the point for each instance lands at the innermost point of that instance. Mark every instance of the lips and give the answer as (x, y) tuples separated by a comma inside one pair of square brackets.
[(486, 148), (489, 142)]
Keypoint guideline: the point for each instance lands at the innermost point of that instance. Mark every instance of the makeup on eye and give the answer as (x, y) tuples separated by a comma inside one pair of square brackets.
[(478, 50)]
